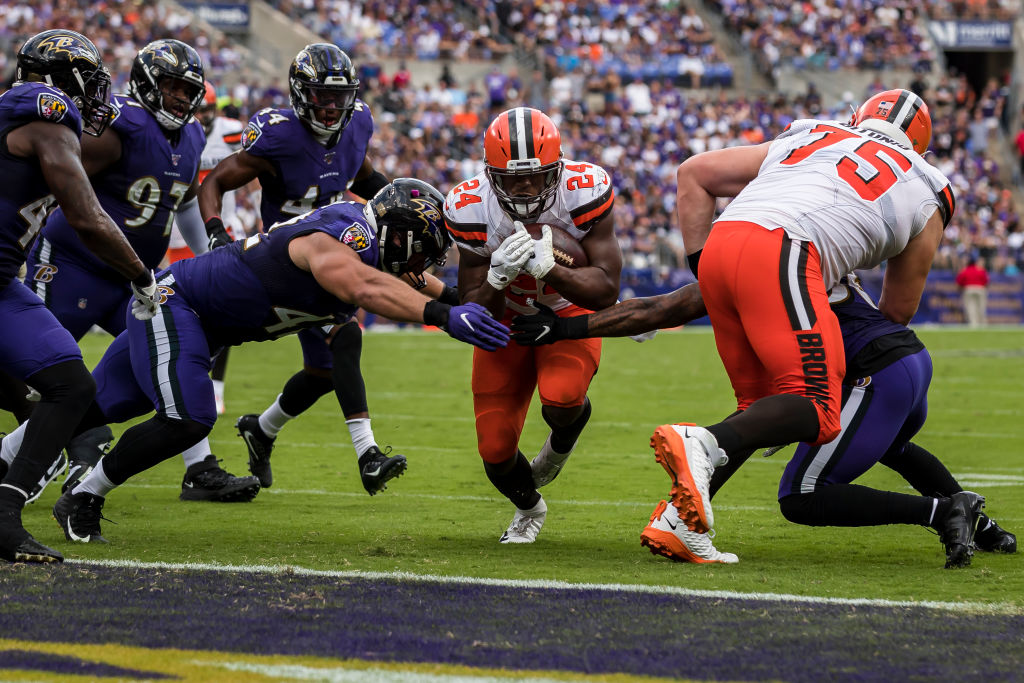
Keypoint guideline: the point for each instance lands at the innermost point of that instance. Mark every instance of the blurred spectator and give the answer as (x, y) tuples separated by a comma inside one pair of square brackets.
[(973, 283)]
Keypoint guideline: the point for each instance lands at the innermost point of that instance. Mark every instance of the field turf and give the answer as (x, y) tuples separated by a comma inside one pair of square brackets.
[(316, 580)]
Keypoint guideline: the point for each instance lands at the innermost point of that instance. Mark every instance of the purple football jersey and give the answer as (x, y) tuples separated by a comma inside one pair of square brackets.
[(142, 189), (25, 198), (251, 291), (306, 174)]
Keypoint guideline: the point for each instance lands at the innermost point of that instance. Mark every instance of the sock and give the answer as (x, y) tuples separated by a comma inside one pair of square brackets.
[(11, 497), (362, 434), (273, 418), (218, 388), (855, 505), (196, 453), (96, 483), (12, 443), (514, 479), (922, 470)]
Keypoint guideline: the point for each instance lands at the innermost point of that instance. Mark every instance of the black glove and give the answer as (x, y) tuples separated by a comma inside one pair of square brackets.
[(544, 327), (217, 233)]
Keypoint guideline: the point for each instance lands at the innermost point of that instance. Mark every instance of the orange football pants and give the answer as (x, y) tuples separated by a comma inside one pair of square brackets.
[(504, 380), (774, 329)]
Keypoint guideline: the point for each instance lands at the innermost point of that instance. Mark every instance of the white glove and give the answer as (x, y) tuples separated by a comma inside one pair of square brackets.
[(147, 300), (643, 336), (510, 257), (543, 259)]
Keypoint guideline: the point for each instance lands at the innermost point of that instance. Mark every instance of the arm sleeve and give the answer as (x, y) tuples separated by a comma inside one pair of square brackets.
[(192, 228)]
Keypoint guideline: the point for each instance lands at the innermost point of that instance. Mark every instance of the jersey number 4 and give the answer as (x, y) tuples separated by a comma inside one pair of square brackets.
[(870, 188)]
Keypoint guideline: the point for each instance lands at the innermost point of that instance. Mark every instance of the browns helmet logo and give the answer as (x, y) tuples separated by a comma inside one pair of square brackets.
[(304, 63), (250, 135), (51, 107), (68, 45), (356, 237)]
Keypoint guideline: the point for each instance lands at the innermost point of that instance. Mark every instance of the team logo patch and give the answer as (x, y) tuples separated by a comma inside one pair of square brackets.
[(165, 292), (250, 135), (51, 107), (357, 237), (44, 272)]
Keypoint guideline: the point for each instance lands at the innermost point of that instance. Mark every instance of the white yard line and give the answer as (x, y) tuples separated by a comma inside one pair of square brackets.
[(972, 607)]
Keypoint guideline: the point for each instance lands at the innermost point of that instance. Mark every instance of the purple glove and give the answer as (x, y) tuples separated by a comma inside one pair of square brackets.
[(473, 324)]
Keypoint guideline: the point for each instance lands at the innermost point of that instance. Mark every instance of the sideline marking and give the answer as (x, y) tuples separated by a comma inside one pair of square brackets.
[(1002, 608)]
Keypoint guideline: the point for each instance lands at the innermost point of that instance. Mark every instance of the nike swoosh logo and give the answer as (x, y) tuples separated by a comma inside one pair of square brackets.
[(75, 537), (673, 526), (187, 484), (465, 319), (547, 328), (375, 472)]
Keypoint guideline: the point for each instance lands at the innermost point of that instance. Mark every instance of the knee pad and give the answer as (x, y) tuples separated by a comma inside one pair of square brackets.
[(497, 439)]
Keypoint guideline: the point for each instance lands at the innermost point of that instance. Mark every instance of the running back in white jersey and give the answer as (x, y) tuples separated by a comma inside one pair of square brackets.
[(856, 194), (478, 224)]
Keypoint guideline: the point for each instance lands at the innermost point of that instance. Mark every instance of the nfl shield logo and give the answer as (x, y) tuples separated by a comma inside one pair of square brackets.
[(328, 157), (83, 303), (175, 158)]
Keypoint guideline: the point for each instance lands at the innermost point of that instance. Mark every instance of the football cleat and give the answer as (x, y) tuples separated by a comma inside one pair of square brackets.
[(992, 538), (957, 528), (206, 480), (79, 516), (17, 544), (666, 535), (259, 446), (548, 464), (689, 454), (526, 524), (56, 468), (377, 468)]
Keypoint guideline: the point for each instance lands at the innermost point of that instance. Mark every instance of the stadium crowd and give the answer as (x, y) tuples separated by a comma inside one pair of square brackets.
[(640, 125)]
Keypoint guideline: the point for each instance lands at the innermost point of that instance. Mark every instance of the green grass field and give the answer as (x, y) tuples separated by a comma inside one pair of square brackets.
[(443, 517)]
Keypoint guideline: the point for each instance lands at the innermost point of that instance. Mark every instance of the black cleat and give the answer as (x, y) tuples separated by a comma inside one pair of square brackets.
[(956, 530), (377, 468), (207, 481), (79, 516), (56, 468), (260, 446), (17, 544), (992, 538)]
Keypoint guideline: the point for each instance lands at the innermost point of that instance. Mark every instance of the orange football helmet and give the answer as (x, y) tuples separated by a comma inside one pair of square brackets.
[(899, 114), (523, 160)]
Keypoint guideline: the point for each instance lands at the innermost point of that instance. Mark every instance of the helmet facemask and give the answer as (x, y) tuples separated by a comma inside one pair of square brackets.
[(525, 189), (167, 79), (410, 229), (91, 94), (326, 108)]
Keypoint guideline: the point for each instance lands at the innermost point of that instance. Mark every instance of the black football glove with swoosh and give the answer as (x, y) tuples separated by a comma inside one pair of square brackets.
[(217, 233), (545, 327)]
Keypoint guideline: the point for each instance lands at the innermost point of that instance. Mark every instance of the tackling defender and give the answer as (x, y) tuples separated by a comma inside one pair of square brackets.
[(299, 274), (526, 180)]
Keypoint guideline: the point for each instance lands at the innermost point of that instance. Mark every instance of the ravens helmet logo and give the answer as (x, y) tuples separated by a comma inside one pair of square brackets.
[(304, 63), (163, 51), (426, 210), (68, 45)]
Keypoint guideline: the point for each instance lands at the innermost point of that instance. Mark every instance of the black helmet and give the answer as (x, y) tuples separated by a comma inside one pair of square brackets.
[(323, 79), (410, 227), (69, 61), (168, 58)]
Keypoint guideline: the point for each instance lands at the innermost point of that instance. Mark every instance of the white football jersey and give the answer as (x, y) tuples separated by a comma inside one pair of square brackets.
[(478, 224), (857, 195)]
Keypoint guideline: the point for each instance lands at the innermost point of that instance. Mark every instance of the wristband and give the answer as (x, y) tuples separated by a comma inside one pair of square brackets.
[(144, 280), (213, 223), (436, 313), (576, 327)]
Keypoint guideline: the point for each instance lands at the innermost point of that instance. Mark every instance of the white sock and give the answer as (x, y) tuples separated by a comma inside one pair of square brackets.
[(273, 418), (95, 482), (196, 453), (541, 506), (218, 388), (362, 434), (12, 443)]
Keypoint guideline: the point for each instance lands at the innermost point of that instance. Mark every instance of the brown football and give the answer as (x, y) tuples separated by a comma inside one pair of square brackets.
[(568, 251)]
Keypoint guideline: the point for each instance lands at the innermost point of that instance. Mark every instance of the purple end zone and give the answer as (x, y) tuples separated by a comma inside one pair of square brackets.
[(591, 631), (69, 666)]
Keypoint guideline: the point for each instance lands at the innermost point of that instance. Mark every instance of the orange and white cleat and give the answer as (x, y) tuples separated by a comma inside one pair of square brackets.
[(689, 454), (667, 536)]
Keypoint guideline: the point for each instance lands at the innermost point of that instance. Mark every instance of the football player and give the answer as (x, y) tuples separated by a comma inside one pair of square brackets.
[(884, 402), (61, 89), (526, 181), (306, 157), (299, 274), (144, 168)]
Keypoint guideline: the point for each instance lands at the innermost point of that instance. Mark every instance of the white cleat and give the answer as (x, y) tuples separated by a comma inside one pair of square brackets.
[(548, 463), (689, 454), (667, 536), (526, 524)]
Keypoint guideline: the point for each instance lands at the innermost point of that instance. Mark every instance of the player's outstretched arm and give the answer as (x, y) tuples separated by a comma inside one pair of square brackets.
[(340, 271), (231, 173), (624, 319), (702, 178), (60, 158)]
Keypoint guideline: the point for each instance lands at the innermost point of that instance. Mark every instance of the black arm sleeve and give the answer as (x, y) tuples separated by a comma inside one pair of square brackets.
[(369, 186)]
